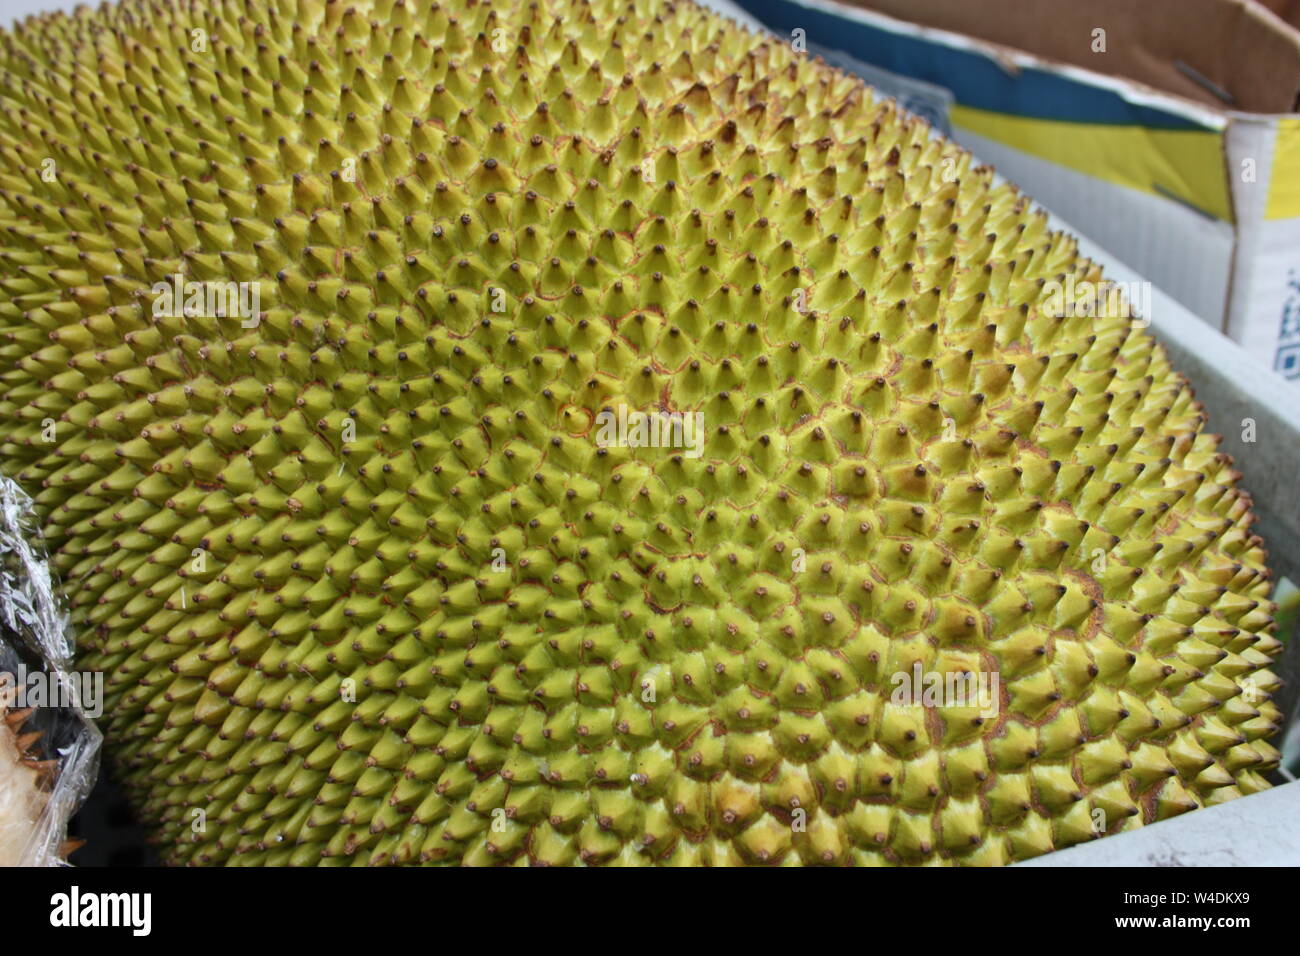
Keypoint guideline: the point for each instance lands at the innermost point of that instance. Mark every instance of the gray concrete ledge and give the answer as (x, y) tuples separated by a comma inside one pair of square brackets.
[(1260, 830)]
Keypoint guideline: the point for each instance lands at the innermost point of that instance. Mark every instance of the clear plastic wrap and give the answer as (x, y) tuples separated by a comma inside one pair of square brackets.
[(37, 672)]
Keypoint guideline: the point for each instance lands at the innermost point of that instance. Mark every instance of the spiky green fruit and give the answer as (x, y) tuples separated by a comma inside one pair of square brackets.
[(367, 588)]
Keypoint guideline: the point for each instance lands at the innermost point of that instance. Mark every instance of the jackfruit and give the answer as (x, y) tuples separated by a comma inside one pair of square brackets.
[(554, 433), (24, 780)]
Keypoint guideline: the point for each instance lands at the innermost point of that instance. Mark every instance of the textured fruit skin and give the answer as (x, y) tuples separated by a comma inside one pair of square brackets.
[(563, 653)]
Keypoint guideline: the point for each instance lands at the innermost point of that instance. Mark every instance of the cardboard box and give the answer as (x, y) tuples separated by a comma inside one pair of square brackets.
[(1288, 10), (1167, 130)]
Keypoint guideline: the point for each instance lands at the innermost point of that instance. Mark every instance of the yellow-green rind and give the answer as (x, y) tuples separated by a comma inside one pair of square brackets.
[(563, 653)]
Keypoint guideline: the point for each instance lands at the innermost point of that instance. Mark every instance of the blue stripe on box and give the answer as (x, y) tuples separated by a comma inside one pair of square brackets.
[(974, 79)]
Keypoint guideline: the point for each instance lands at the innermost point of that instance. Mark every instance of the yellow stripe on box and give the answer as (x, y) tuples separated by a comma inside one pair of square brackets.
[(1185, 164), (1284, 189)]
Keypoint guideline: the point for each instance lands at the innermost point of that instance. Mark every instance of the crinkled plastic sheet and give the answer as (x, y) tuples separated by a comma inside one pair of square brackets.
[(34, 634)]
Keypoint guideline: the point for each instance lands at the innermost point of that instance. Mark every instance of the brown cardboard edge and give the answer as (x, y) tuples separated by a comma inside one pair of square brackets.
[(1013, 59), (1236, 45)]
